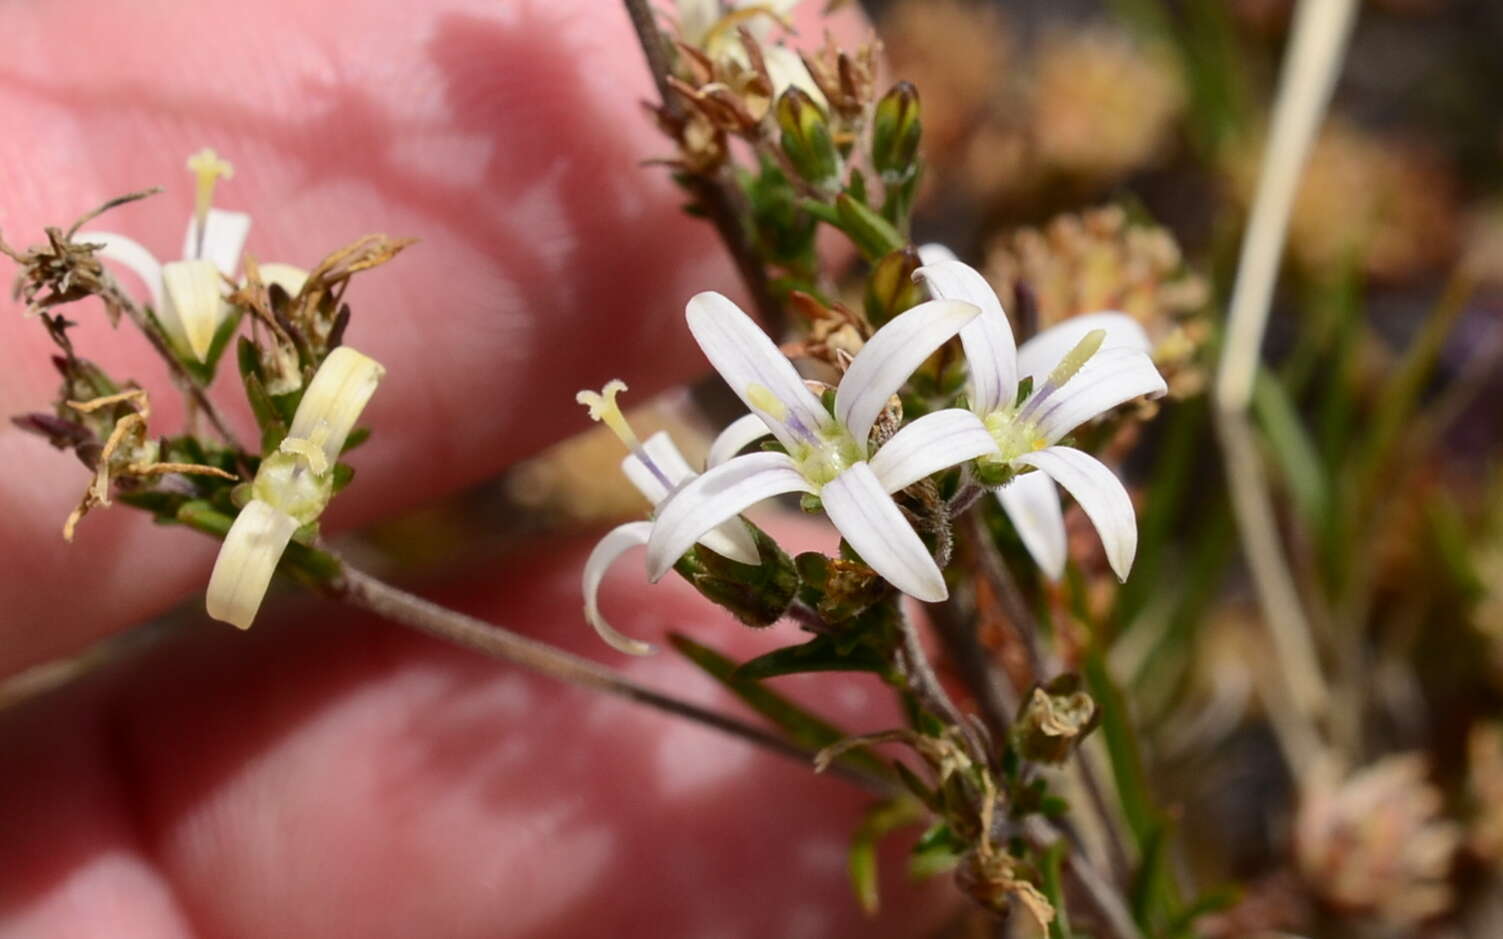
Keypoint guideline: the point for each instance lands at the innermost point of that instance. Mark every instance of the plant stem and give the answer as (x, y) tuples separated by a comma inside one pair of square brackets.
[(720, 200), (391, 603), (995, 570), (1309, 76)]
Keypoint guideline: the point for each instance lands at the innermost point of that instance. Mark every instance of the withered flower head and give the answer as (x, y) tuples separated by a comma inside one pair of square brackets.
[(1103, 104), (1385, 203), (1096, 260), (1374, 842)]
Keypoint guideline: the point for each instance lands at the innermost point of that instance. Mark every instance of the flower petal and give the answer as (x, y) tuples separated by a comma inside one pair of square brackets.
[(932, 443), (934, 252), (194, 305), (334, 399), (1108, 379), (786, 69), (736, 437), (246, 561), (131, 253), (754, 368), (1032, 504), (891, 356), (709, 500), (990, 349), (616, 543), (1039, 355), (661, 449), (730, 539), (1100, 494), (224, 239), (287, 276), (868, 518)]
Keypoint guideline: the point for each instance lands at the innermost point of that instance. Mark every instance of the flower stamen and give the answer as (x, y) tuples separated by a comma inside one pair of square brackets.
[(207, 168), (603, 407)]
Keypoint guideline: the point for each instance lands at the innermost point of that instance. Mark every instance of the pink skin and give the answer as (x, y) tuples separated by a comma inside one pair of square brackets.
[(326, 774)]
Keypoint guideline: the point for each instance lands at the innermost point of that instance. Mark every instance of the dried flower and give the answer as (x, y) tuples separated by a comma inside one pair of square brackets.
[(1375, 842), (1075, 371), (1103, 104), (826, 454), (292, 486), (1485, 783), (1079, 264), (187, 296), (1381, 203)]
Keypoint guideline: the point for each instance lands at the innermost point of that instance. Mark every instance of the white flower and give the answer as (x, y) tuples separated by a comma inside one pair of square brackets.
[(1079, 369), (657, 469), (187, 295), (827, 455), (292, 485)]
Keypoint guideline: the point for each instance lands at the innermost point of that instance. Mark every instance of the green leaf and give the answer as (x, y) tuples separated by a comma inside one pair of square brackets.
[(802, 727), (1052, 885), (820, 654), (881, 819), (874, 236), (937, 852), (1292, 447)]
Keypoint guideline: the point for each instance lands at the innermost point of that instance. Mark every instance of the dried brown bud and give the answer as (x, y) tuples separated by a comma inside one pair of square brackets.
[(1054, 720)]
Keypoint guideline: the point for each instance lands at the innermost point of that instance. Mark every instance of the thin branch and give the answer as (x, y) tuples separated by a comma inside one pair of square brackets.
[(721, 202), (390, 603), (1005, 586), (925, 684)]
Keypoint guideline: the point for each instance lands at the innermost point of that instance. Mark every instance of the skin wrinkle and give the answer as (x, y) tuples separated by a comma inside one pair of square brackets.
[(399, 728), (618, 270)]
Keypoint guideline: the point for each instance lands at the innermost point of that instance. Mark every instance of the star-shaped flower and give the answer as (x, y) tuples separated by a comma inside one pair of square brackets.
[(826, 453), (1079, 369)]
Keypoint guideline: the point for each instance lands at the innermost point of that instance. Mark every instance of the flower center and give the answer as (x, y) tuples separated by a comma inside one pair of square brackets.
[(827, 453), (1014, 434)]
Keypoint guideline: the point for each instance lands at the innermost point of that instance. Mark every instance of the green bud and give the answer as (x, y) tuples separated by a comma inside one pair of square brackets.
[(1054, 720), (890, 290), (874, 236), (807, 140), (756, 594), (896, 130)]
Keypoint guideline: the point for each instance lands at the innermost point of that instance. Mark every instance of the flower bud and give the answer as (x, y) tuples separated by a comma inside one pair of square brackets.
[(756, 594), (896, 130), (891, 288), (807, 140)]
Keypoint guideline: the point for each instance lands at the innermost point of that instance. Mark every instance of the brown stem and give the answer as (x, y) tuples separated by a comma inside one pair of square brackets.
[(390, 603), (721, 201), (994, 569), (925, 684)]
